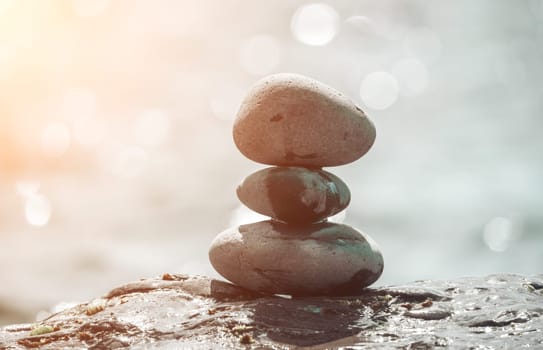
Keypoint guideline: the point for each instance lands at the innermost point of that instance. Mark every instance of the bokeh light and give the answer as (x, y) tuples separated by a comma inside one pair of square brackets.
[(379, 90), (129, 162), (152, 127), (259, 55), (412, 76), (315, 24), (423, 43), (499, 233), (37, 210), (55, 139), (89, 131), (360, 24)]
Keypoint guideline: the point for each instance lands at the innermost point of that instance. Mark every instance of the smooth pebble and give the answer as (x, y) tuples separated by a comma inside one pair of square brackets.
[(294, 194), (318, 259), (288, 119)]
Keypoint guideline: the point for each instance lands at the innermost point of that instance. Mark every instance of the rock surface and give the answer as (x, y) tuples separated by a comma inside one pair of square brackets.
[(294, 194), (276, 258), (289, 119), (180, 312)]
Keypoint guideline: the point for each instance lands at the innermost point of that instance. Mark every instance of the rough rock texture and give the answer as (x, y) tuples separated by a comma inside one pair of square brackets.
[(182, 312)]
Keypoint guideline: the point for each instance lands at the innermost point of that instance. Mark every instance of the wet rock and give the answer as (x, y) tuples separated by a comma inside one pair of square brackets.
[(289, 119), (181, 312), (318, 259), (294, 194)]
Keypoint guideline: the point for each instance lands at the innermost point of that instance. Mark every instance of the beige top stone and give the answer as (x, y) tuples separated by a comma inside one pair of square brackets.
[(288, 119)]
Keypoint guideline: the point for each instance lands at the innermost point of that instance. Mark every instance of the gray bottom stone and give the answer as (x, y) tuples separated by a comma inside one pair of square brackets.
[(318, 259)]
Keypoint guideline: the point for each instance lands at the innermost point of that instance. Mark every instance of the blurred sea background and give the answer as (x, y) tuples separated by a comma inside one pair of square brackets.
[(117, 160)]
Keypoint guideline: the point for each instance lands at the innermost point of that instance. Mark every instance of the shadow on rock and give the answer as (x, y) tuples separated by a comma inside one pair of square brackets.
[(309, 321)]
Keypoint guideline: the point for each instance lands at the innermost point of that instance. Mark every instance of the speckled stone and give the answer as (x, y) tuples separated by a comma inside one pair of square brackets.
[(294, 194), (318, 259), (289, 119)]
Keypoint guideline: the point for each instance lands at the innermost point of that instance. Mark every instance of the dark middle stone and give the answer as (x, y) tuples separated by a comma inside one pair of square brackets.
[(294, 194)]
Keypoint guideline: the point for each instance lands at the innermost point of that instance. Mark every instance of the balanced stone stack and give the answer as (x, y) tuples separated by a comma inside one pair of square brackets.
[(299, 126)]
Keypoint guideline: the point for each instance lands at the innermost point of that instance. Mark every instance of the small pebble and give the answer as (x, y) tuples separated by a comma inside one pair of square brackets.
[(42, 329), (293, 194), (96, 306), (427, 303), (246, 339), (168, 277)]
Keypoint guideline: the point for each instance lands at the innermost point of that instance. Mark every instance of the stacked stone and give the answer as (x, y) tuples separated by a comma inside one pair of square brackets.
[(299, 126)]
